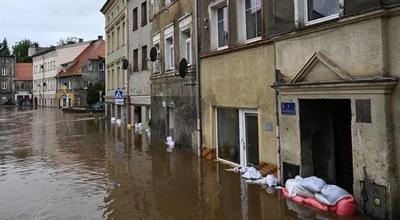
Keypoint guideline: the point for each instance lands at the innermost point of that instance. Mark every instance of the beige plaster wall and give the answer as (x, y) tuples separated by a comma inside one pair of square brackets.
[(241, 79), (356, 48)]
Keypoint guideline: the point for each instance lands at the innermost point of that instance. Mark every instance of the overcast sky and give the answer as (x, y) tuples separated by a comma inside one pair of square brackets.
[(47, 21)]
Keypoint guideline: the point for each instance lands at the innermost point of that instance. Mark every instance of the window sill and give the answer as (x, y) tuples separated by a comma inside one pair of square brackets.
[(252, 40), (222, 48), (320, 20)]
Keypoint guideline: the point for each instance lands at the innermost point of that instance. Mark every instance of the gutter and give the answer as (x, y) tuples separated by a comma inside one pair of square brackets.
[(198, 88)]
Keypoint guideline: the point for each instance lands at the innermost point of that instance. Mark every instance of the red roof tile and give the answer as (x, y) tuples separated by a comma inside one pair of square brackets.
[(23, 71), (95, 51)]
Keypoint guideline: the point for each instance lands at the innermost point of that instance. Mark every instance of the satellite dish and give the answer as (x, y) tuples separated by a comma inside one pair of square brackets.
[(44, 84), (125, 64), (153, 54), (41, 66), (65, 84), (183, 67)]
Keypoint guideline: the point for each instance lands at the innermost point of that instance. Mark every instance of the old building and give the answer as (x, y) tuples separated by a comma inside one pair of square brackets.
[(337, 64), (138, 50), (7, 74), (75, 77), (115, 13), (46, 66), (173, 102), (23, 83), (237, 66)]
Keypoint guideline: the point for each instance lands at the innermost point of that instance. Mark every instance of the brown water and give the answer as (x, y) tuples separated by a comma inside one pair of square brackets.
[(67, 166)]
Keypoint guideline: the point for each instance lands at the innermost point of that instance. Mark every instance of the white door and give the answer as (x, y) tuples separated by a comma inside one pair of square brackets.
[(249, 137)]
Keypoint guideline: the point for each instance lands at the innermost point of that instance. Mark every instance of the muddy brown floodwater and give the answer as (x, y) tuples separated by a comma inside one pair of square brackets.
[(74, 166)]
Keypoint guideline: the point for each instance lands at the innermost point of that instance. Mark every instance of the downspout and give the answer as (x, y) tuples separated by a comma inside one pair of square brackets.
[(198, 86), (277, 135), (128, 101)]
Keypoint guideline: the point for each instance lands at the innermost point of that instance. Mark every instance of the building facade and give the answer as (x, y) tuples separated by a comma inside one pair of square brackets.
[(75, 78), (23, 84), (115, 13), (237, 67), (173, 101), (7, 75), (138, 50), (337, 67), (46, 66)]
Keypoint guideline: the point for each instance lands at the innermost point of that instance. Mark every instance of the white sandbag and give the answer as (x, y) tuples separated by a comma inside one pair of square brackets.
[(303, 192), (252, 173), (269, 180), (313, 184), (333, 194), (291, 185), (321, 198)]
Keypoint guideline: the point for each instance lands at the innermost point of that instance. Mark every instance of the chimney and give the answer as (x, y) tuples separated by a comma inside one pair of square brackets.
[(99, 37), (80, 40)]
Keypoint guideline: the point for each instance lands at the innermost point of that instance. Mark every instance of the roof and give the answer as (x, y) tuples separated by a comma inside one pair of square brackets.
[(95, 51), (23, 71), (105, 5)]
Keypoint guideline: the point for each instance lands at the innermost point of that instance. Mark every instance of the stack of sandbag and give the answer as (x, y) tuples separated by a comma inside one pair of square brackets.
[(315, 192)]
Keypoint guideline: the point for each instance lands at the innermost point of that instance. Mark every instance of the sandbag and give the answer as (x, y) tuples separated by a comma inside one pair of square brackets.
[(313, 184), (303, 192), (321, 198), (252, 173), (346, 206), (333, 194), (314, 203), (291, 185), (297, 199)]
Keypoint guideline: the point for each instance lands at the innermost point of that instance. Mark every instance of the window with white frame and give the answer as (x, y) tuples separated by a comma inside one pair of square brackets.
[(156, 44), (4, 85), (222, 26), (101, 66), (3, 71), (250, 14), (169, 48), (185, 39), (90, 67), (320, 10)]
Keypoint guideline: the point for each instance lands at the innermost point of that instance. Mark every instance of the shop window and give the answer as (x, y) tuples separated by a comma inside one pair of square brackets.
[(228, 135)]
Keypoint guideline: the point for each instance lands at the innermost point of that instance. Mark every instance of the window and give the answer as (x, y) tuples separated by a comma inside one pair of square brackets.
[(135, 19), (135, 60), (69, 85), (4, 85), (22, 86), (156, 44), (253, 23), (169, 52), (86, 84), (101, 66), (112, 41), (185, 39), (156, 6), (109, 43), (144, 58), (3, 71), (123, 34), (222, 26), (144, 13), (167, 2), (118, 37), (90, 67), (320, 10)]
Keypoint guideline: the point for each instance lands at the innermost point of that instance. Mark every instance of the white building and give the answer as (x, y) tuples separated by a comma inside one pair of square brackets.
[(46, 65)]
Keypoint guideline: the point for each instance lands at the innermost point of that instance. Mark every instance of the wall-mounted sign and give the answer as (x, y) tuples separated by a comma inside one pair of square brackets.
[(288, 108), (119, 97)]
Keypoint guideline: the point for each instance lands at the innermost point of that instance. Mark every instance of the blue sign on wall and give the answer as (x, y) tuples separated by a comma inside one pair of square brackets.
[(119, 97), (288, 108)]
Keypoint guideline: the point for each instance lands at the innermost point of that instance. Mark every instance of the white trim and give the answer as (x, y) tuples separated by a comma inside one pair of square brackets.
[(168, 30), (185, 21), (242, 23), (252, 40)]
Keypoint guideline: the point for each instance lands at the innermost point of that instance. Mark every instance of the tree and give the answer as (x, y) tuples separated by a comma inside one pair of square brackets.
[(20, 50), (93, 95), (68, 40), (4, 49)]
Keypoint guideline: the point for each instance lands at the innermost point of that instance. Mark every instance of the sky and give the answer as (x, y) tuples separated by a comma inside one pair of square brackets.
[(48, 21)]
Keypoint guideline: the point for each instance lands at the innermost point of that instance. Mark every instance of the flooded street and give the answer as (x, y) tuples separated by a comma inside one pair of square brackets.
[(74, 166)]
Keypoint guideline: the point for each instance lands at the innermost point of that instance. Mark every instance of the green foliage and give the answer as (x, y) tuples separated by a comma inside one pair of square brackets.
[(4, 49), (93, 95), (20, 50)]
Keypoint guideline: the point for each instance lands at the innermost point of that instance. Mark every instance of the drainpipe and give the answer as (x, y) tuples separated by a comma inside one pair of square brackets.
[(128, 101), (198, 89), (277, 135)]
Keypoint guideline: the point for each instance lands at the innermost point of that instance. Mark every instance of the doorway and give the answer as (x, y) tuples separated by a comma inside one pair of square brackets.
[(237, 136), (326, 145)]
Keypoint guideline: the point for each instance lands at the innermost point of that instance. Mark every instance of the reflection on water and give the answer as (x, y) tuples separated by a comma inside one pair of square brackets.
[(74, 166)]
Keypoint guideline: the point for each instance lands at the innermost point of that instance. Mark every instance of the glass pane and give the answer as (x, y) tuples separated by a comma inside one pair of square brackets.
[(253, 18), (252, 139), (322, 8), (222, 22), (228, 135)]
